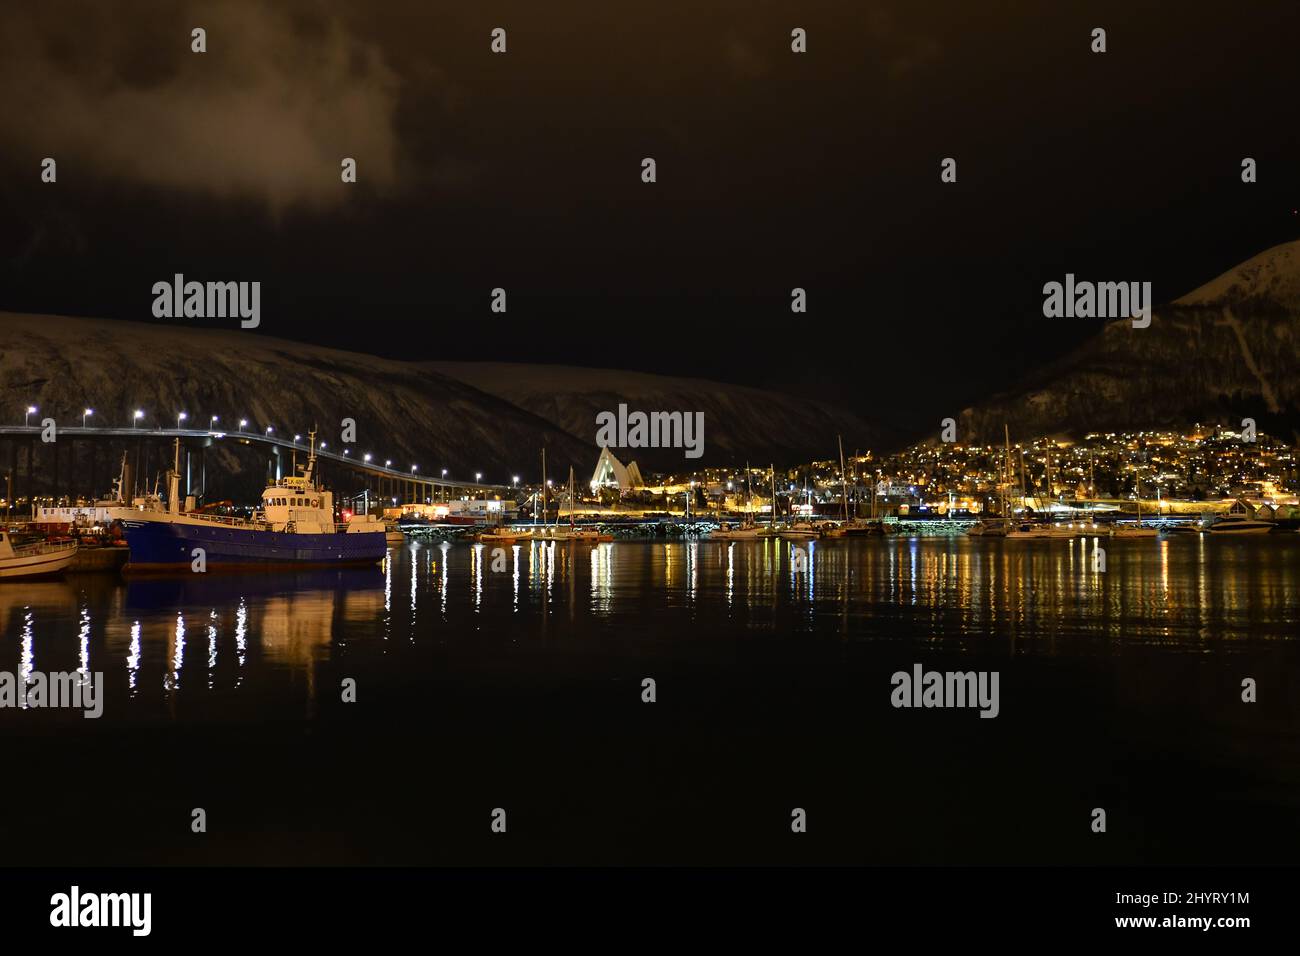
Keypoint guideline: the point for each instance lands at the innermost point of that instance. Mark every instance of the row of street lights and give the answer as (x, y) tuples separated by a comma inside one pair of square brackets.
[(243, 423)]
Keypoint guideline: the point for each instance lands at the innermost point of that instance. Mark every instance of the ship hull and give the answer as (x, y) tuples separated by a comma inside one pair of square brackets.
[(167, 546), (36, 565)]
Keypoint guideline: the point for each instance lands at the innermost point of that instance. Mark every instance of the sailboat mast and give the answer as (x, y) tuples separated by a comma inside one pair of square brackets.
[(1006, 494), (749, 507), (543, 521), (1024, 485), (772, 468), (844, 480), (1050, 494)]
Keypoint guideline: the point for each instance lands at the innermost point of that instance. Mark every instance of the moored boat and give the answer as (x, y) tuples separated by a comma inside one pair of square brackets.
[(1240, 524), (294, 528), (34, 560)]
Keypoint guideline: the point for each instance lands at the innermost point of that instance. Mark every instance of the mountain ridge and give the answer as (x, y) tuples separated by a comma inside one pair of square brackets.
[(1227, 350)]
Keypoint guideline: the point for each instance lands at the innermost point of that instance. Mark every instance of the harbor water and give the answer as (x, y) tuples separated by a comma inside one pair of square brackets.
[(381, 715)]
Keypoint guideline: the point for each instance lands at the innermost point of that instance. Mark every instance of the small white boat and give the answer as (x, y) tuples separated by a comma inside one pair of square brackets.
[(33, 560), (1136, 530), (1030, 531), (743, 533), (1239, 524), (988, 529), (1132, 531), (504, 535), (799, 531), (393, 534)]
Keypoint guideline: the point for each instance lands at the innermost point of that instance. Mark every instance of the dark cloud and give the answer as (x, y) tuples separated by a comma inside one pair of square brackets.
[(282, 95)]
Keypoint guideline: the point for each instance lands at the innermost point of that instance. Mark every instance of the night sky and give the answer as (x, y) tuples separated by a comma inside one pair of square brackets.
[(775, 170)]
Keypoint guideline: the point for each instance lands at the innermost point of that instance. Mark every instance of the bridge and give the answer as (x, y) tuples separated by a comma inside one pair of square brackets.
[(394, 483)]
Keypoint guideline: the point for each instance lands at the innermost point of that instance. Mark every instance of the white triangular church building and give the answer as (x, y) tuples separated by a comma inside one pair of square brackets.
[(611, 473)]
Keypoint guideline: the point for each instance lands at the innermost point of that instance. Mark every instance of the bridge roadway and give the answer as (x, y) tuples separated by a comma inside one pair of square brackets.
[(412, 480)]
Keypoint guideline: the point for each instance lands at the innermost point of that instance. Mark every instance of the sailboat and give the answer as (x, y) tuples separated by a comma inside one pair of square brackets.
[(857, 527), (997, 527), (801, 530), (747, 531), (503, 534), (572, 532), (1136, 530)]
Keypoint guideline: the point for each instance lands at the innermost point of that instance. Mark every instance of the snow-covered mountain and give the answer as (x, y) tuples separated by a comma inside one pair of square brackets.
[(492, 419), (739, 422), (1228, 350)]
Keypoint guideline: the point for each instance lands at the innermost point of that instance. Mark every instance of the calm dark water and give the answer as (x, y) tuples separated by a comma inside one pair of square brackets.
[(515, 681)]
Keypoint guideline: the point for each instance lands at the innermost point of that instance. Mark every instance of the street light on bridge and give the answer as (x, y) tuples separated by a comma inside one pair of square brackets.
[(243, 423), (269, 429), (414, 469), (85, 412), (388, 463), (367, 457), (180, 417), (139, 414), (31, 410), (478, 476)]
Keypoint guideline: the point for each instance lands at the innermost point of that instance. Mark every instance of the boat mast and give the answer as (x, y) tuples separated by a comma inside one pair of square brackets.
[(1006, 494), (543, 521), (1024, 485), (572, 495), (1050, 493), (772, 468), (844, 479), (749, 504)]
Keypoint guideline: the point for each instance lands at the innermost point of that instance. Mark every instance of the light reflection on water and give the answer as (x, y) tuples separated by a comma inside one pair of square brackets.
[(268, 632)]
